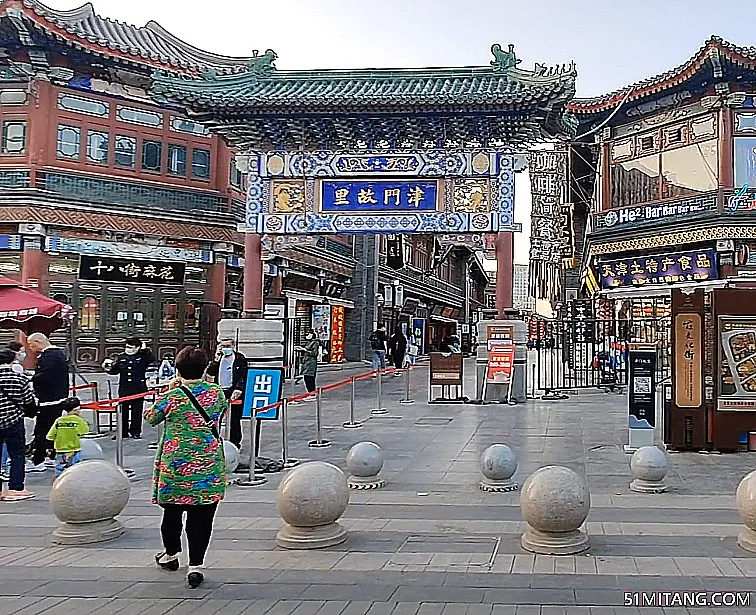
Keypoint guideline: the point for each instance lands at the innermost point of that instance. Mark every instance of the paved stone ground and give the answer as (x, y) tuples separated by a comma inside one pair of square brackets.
[(429, 543)]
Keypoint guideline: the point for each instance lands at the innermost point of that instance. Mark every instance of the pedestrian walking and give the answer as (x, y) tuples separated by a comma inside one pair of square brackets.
[(190, 468), (16, 402), (309, 362), (378, 346), (131, 368), (65, 434), (50, 383), (229, 369), (17, 367), (398, 347)]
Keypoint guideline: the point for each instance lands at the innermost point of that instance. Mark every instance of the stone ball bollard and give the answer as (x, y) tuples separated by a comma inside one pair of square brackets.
[(746, 501), (91, 450), (498, 464), (364, 463), (231, 454), (86, 498), (311, 499), (649, 466), (555, 502)]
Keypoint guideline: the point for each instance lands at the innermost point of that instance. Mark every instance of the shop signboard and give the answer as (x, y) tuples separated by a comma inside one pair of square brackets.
[(264, 386), (321, 322), (499, 368), (691, 266), (688, 387), (103, 269), (445, 369), (418, 330), (337, 334), (631, 216), (498, 335)]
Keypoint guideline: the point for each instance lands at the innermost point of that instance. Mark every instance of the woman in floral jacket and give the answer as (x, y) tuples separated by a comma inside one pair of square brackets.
[(190, 469)]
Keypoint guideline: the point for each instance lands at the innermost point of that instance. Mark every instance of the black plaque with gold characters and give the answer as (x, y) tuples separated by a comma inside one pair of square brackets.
[(101, 269)]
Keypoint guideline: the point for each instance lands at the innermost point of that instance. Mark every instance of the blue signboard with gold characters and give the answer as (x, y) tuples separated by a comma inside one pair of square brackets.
[(692, 266), (378, 195), (388, 191)]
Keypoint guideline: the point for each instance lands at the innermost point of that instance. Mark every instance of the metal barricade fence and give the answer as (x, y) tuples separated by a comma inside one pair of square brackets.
[(568, 354)]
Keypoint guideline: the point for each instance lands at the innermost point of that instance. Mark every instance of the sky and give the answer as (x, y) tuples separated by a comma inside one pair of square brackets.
[(613, 43)]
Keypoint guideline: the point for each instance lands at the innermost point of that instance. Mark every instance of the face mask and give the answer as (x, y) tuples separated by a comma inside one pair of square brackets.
[(130, 350), (227, 352), (21, 356)]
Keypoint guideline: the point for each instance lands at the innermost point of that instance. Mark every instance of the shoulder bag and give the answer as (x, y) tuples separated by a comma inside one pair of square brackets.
[(203, 413)]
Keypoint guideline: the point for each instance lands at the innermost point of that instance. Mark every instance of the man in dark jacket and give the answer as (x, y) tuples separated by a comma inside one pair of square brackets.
[(229, 368), (131, 365), (50, 382)]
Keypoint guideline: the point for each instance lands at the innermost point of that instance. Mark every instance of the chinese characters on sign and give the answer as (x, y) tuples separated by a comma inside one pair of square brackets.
[(337, 334), (103, 269), (499, 370), (688, 360), (694, 266), (378, 196), (263, 389), (642, 406), (499, 335)]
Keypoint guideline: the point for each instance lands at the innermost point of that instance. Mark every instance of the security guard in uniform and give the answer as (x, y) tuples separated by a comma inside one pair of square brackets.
[(131, 365)]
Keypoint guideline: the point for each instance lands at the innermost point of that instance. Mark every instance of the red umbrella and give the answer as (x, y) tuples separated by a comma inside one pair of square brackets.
[(31, 312)]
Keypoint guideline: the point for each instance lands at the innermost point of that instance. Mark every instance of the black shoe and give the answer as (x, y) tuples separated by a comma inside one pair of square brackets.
[(136, 436), (195, 579), (171, 564)]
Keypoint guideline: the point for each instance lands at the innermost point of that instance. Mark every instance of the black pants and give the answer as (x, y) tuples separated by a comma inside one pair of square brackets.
[(398, 358), (131, 411), (235, 434), (199, 528), (42, 447), (309, 383)]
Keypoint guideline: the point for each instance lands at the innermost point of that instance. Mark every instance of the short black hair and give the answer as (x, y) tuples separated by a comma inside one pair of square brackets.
[(191, 362), (134, 341), (7, 356), (15, 346)]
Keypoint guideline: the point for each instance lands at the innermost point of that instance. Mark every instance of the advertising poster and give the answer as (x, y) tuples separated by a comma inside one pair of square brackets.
[(500, 360), (642, 411), (737, 378), (418, 330), (688, 360), (337, 334)]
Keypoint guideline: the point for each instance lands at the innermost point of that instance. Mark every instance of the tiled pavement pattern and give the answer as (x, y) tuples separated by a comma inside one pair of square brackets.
[(429, 543)]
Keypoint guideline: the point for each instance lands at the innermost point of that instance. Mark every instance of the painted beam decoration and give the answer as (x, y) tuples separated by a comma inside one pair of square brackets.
[(428, 192), (692, 266)]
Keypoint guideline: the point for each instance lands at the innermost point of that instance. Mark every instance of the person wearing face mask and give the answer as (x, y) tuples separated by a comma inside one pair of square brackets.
[(17, 365), (309, 363), (229, 369), (131, 366)]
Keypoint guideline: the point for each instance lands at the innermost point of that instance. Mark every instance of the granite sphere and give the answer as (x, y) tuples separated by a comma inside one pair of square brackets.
[(313, 494), (555, 499), (745, 499), (90, 449), (231, 454), (649, 463), (365, 459), (498, 462), (90, 491)]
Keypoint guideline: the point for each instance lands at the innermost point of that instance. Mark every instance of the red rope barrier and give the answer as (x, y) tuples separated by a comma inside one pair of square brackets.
[(89, 385)]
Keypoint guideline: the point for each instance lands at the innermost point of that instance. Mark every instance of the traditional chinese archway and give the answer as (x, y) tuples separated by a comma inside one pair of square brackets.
[(427, 151)]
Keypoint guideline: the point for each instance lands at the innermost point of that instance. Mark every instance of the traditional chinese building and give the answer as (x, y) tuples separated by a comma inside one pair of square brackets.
[(128, 209), (672, 160)]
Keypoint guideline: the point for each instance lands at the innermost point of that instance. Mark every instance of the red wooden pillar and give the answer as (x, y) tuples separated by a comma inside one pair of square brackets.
[(253, 276), (216, 291), (504, 271)]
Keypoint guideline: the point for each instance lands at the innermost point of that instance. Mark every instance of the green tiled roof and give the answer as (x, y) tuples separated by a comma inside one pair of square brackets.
[(501, 85)]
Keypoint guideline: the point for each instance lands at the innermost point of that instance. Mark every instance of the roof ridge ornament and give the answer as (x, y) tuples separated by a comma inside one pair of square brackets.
[(503, 60), (262, 65)]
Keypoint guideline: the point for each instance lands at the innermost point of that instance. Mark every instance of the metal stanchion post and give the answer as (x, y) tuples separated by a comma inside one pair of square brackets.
[(95, 413), (351, 423), (407, 400), (119, 443), (319, 442), (287, 462), (252, 480), (380, 409)]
